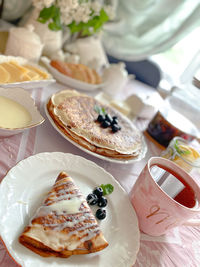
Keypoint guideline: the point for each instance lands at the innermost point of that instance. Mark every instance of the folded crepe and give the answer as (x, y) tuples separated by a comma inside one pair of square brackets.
[(64, 225), (75, 115)]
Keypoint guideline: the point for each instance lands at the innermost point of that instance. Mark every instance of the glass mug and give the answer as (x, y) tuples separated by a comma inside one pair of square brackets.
[(159, 206), (183, 154)]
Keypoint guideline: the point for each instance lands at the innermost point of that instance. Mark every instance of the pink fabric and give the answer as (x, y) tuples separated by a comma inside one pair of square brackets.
[(181, 246), (32, 133), (9, 148)]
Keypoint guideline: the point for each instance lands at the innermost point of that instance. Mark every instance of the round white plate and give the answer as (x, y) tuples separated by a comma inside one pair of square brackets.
[(23, 190), (68, 80), (123, 161)]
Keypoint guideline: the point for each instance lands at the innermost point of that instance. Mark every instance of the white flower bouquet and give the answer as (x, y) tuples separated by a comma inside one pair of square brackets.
[(84, 17)]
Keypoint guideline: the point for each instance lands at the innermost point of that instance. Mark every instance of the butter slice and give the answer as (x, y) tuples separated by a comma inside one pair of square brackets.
[(42, 74), (24, 71), (21, 68), (121, 106), (4, 75), (117, 104), (11, 72), (16, 74), (31, 75)]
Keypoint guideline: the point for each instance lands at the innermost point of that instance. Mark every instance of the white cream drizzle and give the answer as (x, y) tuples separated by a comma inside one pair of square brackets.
[(62, 197), (63, 182), (58, 240), (70, 206), (72, 221)]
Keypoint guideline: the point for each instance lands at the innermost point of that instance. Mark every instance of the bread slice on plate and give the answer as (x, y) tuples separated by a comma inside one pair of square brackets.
[(64, 225), (79, 72)]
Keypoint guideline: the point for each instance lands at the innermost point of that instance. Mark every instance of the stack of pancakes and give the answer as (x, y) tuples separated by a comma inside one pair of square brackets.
[(75, 115)]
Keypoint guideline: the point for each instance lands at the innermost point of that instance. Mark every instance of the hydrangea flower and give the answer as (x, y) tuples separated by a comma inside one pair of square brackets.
[(83, 16)]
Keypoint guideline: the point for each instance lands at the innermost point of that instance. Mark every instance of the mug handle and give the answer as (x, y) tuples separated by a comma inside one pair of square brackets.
[(192, 222)]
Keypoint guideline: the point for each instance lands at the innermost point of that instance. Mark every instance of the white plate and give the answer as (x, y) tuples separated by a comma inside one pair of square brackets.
[(68, 80), (23, 189), (29, 84), (123, 161)]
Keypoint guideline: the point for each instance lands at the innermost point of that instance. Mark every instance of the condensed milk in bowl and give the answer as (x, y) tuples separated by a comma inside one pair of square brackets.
[(18, 111)]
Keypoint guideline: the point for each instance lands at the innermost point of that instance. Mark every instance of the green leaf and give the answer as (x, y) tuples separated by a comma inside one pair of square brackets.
[(107, 189), (100, 110), (47, 13), (54, 27), (179, 150), (97, 109), (103, 111), (103, 15), (56, 24), (51, 15), (94, 23), (75, 27)]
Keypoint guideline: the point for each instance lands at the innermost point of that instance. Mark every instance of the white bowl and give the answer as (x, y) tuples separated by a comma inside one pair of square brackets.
[(22, 97)]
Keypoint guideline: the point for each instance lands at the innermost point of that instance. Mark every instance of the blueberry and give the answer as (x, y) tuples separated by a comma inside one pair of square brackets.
[(105, 124), (102, 202), (101, 214), (115, 128), (114, 121), (100, 118), (92, 199), (114, 117), (108, 118), (98, 191)]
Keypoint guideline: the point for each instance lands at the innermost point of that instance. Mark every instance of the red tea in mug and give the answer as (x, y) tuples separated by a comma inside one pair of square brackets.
[(174, 186)]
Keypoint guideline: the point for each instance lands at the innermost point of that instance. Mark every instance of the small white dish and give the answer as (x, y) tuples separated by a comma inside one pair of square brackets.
[(68, 80), (22, 97), (26, 84), (22, 192)]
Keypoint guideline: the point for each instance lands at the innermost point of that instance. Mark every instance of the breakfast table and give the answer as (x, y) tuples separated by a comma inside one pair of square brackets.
[(181, 246)]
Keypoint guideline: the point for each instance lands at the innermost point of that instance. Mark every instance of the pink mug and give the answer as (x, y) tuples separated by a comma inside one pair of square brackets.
[(157, 211)]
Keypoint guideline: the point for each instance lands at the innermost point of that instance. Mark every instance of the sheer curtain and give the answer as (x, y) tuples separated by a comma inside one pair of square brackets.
[(146, 27)]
